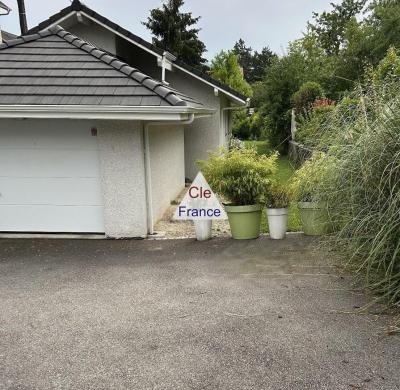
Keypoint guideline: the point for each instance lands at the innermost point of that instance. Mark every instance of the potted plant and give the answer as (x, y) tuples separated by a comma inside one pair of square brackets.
[(277, 207), (313, 211), (241, 177)]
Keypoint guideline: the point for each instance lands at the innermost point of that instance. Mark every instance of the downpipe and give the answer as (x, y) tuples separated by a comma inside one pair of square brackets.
[(147, 166)]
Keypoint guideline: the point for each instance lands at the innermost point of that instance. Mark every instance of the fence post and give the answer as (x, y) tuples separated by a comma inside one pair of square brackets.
[(293, 127)]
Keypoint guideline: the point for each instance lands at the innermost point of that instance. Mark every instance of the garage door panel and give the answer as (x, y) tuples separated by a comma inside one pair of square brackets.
[(49, 177), (68, 135), (51, 219), (49, 163), (53, 191)]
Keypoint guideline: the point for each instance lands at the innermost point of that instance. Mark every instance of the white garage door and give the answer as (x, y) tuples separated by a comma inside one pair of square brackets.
[(49, 177)]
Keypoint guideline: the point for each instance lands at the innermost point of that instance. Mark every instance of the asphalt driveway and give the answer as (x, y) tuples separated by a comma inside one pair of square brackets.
[(185, 315)]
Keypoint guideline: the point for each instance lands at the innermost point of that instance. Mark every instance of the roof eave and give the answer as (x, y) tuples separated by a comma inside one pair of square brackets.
[(242, 101), (145, 113), (70, 11)]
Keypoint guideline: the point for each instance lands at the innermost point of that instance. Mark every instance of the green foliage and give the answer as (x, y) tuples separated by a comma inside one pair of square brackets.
[(338, 48), (253, 63), (258, 98), (330, 27), (348, 105), (361, 186), (285, 170), (282, 79), (249, 127), (388, 68), (308, 93), (225, 68), (278, 196), (173, 31), (304, 62), (306, 181), (313, 122), (383, 29), (242, 176), (314, 126), (262, 147)]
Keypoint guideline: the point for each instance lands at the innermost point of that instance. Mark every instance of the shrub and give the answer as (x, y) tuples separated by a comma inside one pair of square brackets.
[(225, 68), (248, 127), (312, 124), (277, 197), (305, 182), (308, 93), (388, 68), (362, 186), (239, 175)]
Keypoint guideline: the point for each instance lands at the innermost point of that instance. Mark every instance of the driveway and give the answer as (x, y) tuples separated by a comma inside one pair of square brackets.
[(185, 315)]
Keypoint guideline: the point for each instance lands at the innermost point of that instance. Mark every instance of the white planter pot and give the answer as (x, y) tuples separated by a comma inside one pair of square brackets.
[(277, 222), (203, 229)]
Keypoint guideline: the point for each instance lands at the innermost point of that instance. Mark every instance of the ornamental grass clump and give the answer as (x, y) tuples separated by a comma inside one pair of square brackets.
[(362, 187), (241, 176), (305, 182), (278, 196)]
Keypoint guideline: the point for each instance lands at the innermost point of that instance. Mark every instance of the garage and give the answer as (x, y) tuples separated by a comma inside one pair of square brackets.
[(88, 144), (50, 177)]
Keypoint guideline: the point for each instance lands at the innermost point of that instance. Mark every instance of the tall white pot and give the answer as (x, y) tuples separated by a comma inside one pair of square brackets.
[(277, 222), (203, 229)]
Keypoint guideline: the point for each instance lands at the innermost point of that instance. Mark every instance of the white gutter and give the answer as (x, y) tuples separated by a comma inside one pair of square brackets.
[(236, 108), (144, 113), (147, 166), (233, 97)]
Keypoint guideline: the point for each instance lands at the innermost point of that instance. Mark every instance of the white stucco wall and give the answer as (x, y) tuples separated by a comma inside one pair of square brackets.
[(167, 166), (123, 178), (205, 133)]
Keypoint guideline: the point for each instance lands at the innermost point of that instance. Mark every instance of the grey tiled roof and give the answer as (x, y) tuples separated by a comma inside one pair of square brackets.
[(77, 6), (55, 67), (7, 36)]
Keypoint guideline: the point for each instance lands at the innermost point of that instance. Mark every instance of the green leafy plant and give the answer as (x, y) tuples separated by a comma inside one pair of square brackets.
[(305, 182), (304, 98), (248, 127), (225, 68), (312, 123), (277, 197), (241, 176), (177, 32)]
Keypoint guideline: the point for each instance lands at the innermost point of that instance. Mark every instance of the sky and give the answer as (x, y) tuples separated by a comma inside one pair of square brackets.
[(260, 23)]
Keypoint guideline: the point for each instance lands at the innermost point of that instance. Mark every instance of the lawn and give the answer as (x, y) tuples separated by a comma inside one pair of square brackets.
[(285, 171)]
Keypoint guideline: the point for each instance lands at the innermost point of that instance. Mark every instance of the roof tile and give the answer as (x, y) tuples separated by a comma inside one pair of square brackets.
[(56, 67), (78, 6)]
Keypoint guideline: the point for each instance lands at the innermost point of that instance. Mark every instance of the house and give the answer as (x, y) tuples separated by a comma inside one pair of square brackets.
[(90, 140), (201, 136)]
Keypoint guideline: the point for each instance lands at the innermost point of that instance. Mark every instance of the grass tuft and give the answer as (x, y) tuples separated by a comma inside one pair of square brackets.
[(362, 187)]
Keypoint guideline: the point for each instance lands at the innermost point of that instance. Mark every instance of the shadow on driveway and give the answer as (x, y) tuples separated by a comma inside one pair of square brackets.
[(185, 315)]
